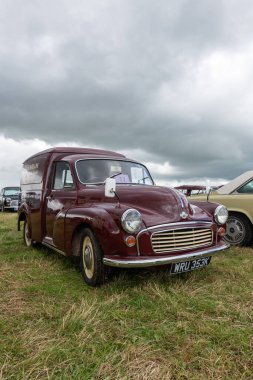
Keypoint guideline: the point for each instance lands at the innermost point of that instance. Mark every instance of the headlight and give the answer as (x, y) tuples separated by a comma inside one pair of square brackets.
[(131, 221), (221, 214)]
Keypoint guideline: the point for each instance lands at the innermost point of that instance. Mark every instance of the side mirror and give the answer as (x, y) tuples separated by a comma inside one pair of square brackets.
[(110, 187), (208, 186)]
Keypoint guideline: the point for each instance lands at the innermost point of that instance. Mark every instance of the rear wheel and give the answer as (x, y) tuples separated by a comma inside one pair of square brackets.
[(27, 234), (91, 259), (239, 230)]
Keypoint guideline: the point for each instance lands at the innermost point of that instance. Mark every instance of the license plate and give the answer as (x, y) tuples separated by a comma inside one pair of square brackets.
[(187, 266)]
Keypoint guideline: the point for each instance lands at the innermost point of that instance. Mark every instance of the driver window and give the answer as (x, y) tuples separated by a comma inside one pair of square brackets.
[(63, 177)]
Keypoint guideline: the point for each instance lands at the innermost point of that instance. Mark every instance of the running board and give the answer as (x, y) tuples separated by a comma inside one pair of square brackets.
[(48, 245)]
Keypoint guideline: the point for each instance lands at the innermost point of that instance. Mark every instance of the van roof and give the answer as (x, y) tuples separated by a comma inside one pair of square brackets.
[(76, 150)]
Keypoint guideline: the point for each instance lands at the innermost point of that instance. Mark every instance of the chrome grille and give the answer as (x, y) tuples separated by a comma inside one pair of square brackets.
[(181, 239), (14, 203)]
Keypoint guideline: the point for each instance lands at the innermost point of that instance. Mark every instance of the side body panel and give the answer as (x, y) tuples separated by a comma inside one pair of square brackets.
[(57, 202)]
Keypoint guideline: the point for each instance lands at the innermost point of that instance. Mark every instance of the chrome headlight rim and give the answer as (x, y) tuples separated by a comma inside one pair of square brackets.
[(131, 221), (221, 214)]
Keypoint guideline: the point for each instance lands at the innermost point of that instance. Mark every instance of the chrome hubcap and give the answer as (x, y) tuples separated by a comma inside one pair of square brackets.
[(235, 231), (28, 240), (88, 257)]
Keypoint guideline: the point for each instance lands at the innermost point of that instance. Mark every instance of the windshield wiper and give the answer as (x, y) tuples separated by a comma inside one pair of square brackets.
[(143, 179), (115, 175)]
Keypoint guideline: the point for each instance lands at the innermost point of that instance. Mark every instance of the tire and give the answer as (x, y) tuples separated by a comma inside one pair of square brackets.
[(91, 259), (239, 230), (26, 235)]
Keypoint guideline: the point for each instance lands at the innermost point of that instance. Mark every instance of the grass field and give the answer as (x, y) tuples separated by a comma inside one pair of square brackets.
[(143, 324)]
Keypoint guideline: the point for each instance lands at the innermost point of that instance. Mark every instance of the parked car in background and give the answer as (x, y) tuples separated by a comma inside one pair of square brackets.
[(191, 189), (237, 196), (10, 198), (104, 208)]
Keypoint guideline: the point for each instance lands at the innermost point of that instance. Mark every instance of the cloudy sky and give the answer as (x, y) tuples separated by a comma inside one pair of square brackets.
[(170, 83)]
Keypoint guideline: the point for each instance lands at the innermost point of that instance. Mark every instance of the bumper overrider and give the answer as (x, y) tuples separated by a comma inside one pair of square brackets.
[(199, 235)]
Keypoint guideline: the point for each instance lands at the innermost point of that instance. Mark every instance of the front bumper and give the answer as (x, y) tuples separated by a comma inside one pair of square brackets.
[(155, 261), (14, 208)]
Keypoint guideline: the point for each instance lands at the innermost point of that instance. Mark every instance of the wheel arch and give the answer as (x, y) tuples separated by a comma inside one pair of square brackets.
[(76, 238), (99, 221), (244, 233), (241, 212), (21, 218), (75, 241)]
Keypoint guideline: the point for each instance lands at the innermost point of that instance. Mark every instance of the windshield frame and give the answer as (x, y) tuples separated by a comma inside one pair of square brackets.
[(113, 159)]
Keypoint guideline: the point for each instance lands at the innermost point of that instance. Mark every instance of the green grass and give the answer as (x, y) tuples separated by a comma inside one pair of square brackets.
[(142, 324)]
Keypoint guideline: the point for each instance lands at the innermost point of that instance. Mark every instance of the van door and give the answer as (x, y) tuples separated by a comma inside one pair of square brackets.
[(61, 197)]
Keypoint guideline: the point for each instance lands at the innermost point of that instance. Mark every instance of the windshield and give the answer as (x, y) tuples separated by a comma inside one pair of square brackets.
[(96, 171), (13, 191)]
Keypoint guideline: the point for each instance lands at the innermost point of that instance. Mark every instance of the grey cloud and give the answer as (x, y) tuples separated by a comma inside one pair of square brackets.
[(91, 73)]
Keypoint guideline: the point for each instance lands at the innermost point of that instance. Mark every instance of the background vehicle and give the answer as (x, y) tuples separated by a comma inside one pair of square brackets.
[(191, 189), (237, 196), (105, 208), (10, 198)]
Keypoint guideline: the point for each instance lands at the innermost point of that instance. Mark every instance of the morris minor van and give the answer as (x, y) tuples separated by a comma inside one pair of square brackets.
[(105, 209)]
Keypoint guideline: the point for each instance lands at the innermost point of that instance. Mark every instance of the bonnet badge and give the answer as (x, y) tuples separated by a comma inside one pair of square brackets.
[(183, 215)]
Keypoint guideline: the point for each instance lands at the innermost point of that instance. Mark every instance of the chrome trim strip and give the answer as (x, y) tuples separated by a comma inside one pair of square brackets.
[(180, 224), (179, 197), (54, 248), (154, 261)]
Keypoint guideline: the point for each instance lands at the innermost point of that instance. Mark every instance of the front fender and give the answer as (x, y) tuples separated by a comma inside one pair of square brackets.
[(242, 211), (98, 220), (209, 207)]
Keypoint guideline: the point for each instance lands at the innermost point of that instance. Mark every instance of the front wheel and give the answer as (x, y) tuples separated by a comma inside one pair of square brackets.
[(91, 259), (27, 234), (239, 230)]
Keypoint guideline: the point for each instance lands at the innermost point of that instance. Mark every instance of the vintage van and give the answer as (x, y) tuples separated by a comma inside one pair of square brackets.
[(105, 208)]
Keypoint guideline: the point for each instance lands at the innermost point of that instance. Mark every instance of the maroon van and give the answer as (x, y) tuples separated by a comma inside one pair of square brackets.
[(105, 208)]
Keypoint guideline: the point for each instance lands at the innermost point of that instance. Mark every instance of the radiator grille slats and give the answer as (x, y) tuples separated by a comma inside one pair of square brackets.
[(182, 239)]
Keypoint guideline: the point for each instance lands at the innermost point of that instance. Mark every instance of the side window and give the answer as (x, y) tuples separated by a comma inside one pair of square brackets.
[(62, 177), (247, 188)]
